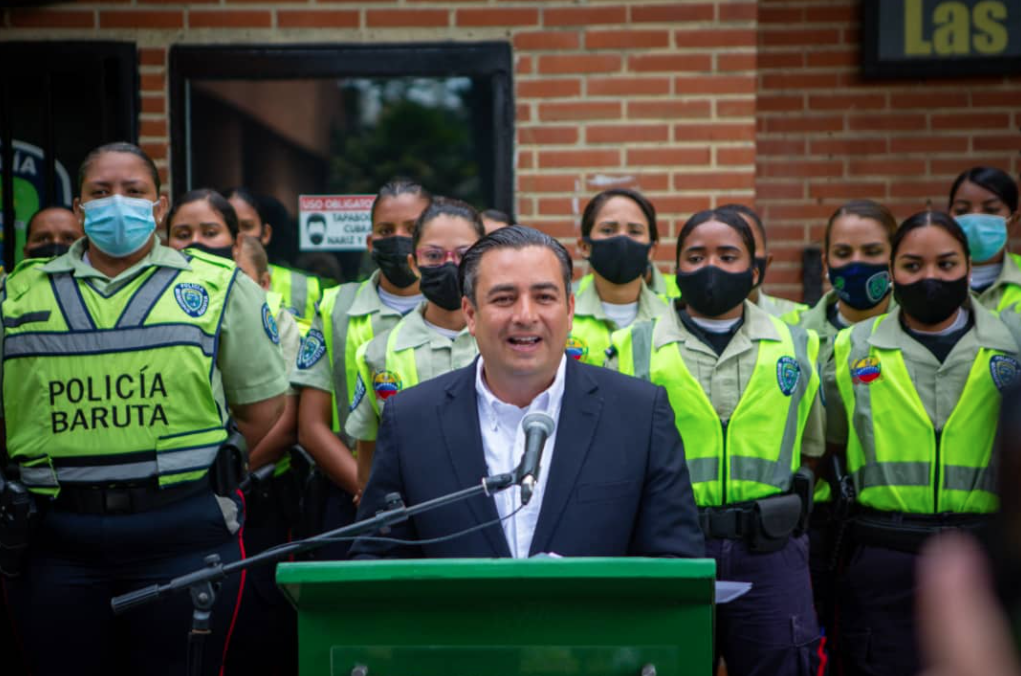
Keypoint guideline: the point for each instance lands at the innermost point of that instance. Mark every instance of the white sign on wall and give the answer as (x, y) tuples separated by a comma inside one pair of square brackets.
[(334, 222)]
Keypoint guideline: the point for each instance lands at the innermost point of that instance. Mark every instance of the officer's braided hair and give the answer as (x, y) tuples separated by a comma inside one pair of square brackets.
[(395, 187), (512, 237)]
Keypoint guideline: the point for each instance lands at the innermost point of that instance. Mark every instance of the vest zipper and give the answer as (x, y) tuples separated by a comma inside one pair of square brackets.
[(723, 472), (936, 478)]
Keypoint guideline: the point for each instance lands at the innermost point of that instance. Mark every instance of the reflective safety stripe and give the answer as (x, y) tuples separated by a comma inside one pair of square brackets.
[(703, 469), (781, 469), (27, 318), (958, 478), (65, 289), (760, 470), (145, 298), (111, 340), (641, 349), (166, 462), (894, 474), (299, 292)]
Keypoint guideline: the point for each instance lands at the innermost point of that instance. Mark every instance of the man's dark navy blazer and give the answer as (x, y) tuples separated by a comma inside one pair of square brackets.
[(618, 484)]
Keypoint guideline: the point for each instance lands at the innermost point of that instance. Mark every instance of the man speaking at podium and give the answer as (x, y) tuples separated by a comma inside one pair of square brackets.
[(611, 477)]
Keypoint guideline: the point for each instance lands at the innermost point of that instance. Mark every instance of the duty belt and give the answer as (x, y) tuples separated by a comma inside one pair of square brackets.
[(905, 532), (125, 499), (728, 523)]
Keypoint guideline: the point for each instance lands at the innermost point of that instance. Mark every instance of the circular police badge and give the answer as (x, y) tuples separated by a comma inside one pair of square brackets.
[(386, 384), (787, 374), (577, 348), (866, 370), (1005, 371), (877, 285), (269, 324), (192, 298), (313, 347)]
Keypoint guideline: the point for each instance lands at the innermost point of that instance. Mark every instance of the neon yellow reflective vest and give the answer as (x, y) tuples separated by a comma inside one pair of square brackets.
[(755, 453), (106, 390), (344, 334), (898, 460), (399, 372), (662, 285), (300, 292)]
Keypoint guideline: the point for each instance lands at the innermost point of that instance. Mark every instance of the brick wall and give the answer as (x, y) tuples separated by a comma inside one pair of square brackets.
[(825, 136), (656, 95), (696, 103)]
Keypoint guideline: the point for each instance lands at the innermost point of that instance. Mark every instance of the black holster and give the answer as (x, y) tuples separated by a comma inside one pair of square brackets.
[(231, 465), (778, 518), (764, 525), (19, 518)]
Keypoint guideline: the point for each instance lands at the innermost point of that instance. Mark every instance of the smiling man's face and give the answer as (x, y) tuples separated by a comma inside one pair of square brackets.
[(522, 315)]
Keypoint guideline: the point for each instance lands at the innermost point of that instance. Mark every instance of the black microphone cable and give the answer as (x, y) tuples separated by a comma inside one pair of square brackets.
[(398, 541)]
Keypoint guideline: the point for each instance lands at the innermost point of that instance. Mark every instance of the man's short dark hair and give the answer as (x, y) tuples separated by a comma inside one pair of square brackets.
[(498, 216), (511, 237)]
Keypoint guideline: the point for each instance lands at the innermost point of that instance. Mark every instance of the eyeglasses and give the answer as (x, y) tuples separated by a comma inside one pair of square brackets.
[(432, 256)]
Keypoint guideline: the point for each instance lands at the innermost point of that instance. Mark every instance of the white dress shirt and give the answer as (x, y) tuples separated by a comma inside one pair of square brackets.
[(503, 441)]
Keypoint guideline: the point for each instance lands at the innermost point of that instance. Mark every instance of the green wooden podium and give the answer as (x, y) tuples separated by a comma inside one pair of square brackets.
[(503, 617)]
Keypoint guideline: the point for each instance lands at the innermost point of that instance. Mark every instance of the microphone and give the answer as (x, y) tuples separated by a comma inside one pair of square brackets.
[(538, 427)]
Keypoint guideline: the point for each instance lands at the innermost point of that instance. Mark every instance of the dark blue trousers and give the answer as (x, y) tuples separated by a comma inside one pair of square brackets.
[(265, 638), (772, 630), (876, 614), (78, 562), (339, 511)]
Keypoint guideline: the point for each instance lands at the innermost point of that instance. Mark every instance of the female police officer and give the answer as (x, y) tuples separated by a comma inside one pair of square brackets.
[(984, 201), (618, 237), (349, 316), (121, 359), (429, 341), (913, 400), (743, 386)]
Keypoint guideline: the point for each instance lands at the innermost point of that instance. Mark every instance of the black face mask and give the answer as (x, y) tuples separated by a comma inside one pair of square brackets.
[(221, 251), (619, 259), (47, 250), (712, 290), (391, 255), (439, 285), (930, 300), (760, 264)]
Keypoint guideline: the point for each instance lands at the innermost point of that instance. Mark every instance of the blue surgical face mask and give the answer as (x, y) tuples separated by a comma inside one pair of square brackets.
[(987, 234), (117, 225), (861, 285)]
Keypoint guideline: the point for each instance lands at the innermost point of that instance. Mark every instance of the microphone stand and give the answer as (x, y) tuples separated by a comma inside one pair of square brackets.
[(203, 584)]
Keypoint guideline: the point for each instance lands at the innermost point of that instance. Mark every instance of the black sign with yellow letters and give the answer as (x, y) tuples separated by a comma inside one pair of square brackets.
[(939, 38)]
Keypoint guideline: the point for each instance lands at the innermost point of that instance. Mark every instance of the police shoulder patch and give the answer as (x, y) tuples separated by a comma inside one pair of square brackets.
[(193, 298), (788, 372), (359, 393), (269, 324), (1005, 371), (313, 347), (386, 384)]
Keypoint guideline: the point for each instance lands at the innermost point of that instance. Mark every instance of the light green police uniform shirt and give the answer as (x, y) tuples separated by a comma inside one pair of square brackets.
[(939, 386), (320, 374), (816, 318), (290, 342), (777, 306), (1010, 275), (435, 354), (249, 365), (724, 378)]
